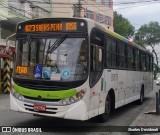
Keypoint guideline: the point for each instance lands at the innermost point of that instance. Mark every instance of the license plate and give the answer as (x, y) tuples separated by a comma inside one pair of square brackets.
[(39, 108)]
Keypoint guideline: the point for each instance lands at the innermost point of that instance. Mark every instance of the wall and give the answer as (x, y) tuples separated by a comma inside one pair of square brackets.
[(64, 8)]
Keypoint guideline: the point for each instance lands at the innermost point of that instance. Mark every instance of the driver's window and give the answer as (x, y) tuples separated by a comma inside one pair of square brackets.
[(22, 49), (83, 54), (96, 56)]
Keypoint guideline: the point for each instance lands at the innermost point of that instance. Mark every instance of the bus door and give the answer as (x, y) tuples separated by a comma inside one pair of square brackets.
[(96, 68)]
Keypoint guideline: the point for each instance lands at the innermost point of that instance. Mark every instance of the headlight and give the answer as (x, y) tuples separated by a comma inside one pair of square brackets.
[(17, 95), (64, 101), (79, 95), (72, 99)]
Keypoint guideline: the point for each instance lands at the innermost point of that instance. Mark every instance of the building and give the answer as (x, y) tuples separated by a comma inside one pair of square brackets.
[(31, 8), (99, 10), (12, 12)]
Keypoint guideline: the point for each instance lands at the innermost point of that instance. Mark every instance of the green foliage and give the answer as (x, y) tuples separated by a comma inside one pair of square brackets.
[(149, 35), (139, 42), (122, 26)]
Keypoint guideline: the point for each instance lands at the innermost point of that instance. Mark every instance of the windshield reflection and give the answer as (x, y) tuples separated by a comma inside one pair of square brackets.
[(65, 60)]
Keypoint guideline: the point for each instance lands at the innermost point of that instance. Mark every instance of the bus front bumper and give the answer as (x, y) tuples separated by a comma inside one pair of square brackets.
[(76, 111)]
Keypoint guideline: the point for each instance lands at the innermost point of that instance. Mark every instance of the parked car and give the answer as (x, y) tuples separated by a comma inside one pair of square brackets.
[(158, 81)]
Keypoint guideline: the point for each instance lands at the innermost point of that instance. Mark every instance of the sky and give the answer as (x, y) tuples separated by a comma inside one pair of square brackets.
[(138, 12)]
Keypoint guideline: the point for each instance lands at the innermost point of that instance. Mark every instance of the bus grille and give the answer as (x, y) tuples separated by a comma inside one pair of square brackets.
[(48, 109), (48, 100)]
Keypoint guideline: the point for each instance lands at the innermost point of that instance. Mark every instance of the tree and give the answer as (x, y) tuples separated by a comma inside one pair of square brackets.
[(122, 26), (149, 35)]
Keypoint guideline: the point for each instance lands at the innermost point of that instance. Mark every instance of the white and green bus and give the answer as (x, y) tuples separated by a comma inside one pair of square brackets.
[(74, 68)]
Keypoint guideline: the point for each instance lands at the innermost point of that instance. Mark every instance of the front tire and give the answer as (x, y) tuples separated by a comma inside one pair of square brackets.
[(106, 115)]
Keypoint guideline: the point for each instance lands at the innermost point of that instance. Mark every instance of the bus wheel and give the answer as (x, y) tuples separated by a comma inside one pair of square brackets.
[(105, 116), (140, 101)]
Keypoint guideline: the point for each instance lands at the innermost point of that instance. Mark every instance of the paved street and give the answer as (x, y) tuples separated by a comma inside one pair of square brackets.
[(129, 115), (69, 46)]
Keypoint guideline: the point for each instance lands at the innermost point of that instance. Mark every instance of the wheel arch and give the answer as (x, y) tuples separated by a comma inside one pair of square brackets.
[(141, 95), (112, 96), (142, 88)]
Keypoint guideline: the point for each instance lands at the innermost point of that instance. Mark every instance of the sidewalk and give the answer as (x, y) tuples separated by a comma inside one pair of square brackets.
[(4, 104), (148, 117)]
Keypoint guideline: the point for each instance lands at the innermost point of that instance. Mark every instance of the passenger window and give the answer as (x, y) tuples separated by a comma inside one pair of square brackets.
[(96, 55), (122, 61), (111, 57), (130, 58)]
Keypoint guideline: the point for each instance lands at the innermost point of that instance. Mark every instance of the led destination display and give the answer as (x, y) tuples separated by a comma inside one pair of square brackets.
[(49, 27)]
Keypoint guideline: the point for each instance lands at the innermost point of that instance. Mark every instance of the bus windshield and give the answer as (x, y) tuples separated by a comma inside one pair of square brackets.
[(61, 58)]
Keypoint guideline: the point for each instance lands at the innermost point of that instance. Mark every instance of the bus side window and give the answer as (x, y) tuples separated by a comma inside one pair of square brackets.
[(108, 52), (137, 60), (122, 56), (96, 55), (130, 57), (114, 54), (143, 61), (147, 62), (140, 61), (96, 58), (150, 63)]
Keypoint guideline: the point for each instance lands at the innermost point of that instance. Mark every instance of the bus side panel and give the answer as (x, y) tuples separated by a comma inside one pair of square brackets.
[(95, 92), (94, 103), (122, 87), (111, 78), (134, 84), (148, 82), (151, 81), (98, 95)]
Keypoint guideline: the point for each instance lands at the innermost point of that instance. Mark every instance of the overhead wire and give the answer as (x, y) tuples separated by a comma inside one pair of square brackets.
[(91, 3), (99, 5), (134, 4), (110, 9)]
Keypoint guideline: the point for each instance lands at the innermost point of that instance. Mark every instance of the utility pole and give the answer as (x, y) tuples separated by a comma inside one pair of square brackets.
[(77, 9), (0, 31)]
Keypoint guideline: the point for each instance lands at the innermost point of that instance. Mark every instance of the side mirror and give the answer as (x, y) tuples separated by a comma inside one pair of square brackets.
[(7, 45), (13, 56), (7, 49)]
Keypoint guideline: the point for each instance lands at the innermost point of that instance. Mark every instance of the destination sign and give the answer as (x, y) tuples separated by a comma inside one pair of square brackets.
[(49, 27), (21, 70)]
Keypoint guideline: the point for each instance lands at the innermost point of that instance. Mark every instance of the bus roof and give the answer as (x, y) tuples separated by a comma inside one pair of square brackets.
[(100, 27), (113, 34)]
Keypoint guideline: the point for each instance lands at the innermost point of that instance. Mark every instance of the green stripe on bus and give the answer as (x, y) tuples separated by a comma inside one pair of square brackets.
[(105, 86), (58, 94)]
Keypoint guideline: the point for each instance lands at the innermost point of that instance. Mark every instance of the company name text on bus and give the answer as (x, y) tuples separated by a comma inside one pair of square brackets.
[(47, 27)]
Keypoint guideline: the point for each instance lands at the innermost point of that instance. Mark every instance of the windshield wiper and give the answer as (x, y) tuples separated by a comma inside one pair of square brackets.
[(57, 43)]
